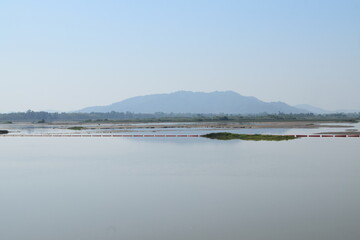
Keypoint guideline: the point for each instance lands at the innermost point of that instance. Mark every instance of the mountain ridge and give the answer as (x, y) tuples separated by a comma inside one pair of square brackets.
[(228, 102)]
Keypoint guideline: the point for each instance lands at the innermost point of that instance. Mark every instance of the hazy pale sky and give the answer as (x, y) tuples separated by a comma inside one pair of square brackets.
[(66, 55)]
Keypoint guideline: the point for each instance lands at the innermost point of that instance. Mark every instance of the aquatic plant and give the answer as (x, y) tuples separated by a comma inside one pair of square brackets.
[(251, 137), (77, 128)]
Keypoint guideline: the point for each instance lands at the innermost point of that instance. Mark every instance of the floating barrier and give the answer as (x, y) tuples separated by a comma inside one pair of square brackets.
[(327, 135), (164, 135)]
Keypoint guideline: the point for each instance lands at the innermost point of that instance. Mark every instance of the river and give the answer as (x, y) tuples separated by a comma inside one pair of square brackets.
[(191, 188)]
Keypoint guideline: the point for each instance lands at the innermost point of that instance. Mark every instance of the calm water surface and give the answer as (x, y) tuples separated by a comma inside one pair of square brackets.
[(198, 189)]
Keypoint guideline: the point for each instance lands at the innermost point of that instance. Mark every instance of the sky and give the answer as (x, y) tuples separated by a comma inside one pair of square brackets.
[(70, 54)]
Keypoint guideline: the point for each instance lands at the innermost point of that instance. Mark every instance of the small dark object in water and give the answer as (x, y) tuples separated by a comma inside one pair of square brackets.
[(4, 131)]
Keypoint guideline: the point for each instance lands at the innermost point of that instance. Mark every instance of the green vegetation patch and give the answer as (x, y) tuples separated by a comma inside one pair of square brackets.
[(77, 128), (251, 137)]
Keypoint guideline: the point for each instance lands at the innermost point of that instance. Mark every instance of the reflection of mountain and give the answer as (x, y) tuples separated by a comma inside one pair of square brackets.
[(196, 102)]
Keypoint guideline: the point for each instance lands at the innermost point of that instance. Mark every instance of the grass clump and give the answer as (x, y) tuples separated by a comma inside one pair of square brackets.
[(250, 137), (77, 128)]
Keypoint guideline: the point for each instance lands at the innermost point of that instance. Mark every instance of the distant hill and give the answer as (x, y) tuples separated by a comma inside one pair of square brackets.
[(312, 109), (196, 102), (228, 102), (317, 110)]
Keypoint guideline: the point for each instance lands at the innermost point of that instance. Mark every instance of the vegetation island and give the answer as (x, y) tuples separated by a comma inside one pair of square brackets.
[(249, 137)]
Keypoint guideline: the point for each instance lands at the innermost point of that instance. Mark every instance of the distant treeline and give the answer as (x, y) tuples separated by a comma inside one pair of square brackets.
[(41, 117)]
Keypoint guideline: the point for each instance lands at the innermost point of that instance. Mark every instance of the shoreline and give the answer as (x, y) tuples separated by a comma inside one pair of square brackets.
[(220, 125), (163, 127)]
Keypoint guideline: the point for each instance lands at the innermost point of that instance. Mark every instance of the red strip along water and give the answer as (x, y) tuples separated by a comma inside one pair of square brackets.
[(162, 135)]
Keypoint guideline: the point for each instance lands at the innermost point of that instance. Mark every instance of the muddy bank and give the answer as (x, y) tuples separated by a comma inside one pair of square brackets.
[(341, 133)]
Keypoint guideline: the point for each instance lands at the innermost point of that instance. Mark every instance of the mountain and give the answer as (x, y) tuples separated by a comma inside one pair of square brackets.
[(317, 110), (196, 102), (312, 109)]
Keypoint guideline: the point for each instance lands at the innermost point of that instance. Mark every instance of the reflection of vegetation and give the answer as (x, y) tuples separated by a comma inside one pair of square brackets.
[(77, 128), (253, 137), (4, 131)]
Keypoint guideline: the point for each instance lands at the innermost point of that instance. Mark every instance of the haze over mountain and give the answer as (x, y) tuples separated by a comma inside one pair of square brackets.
[(228, 102), (313, 109), (317, 110)]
